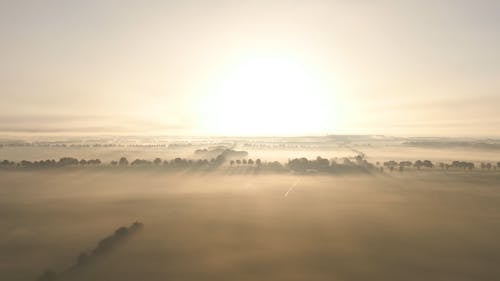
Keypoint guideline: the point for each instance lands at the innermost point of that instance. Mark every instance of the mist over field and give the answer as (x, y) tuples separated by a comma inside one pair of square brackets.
[(369, 207), (266, 227)]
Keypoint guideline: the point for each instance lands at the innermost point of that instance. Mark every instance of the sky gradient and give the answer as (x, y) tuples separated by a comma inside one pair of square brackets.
[(157, 67)]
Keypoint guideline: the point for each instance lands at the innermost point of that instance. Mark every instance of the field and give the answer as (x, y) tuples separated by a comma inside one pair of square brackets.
[(428, 225)]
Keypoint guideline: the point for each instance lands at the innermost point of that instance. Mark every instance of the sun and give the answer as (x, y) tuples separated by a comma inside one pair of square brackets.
[(267, 96)]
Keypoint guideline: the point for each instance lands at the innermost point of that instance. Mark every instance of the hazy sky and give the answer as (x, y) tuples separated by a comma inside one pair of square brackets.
[(250, 67)]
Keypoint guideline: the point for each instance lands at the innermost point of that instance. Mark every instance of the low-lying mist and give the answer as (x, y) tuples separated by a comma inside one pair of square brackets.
[(384, 226)]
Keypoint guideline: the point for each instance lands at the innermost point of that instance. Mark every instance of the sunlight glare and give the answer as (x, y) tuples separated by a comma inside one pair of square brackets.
[(267, 96)]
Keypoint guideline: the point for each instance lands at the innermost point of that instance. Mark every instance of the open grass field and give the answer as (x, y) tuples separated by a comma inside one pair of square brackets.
[(410, 226)]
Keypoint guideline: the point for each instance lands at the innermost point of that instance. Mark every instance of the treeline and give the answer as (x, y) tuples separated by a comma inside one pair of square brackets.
[(122, 162), (298, 165), (402, 165), (103, 247), (427, 164), (256, 165), (51, 163), (176, 163), (343, 165)]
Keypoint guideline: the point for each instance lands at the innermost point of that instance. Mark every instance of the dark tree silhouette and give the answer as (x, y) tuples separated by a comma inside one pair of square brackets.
[(7, 163), (275, 166), (405, 163), (322, 164), (140, 162), (391, 165), (428, 164), (94, 162), (82, 259), (462, 164), (26, 163), (68, 161), (123, 162)]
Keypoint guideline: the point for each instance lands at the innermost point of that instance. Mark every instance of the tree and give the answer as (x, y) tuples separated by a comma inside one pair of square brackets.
[(68, 161), (94, 162), (428, 164), (179, 162), (82, 258), (462, 164), (323, 163), (122, 231), (391, 164), (140, 162), (258, 162), (123, 162), (7, 163), (405, 163), (299, 164), (275, 166), (418, 164), (157, 161), (26, 163)]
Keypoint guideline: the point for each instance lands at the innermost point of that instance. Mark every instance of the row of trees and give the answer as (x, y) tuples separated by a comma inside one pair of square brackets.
[(356, 164), (104, 246), (459, 165), (392, 164), (489, 166), (319, 164), (182, 163), (51, 163), (249, 162), (174, 163)]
